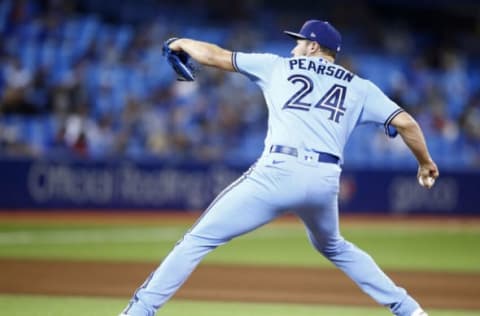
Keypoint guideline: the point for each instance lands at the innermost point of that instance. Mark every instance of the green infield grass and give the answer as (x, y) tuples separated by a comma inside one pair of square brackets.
[(429, 247), (81, 306)]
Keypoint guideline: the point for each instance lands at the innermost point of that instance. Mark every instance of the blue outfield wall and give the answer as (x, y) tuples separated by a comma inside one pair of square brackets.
[(125, 185)]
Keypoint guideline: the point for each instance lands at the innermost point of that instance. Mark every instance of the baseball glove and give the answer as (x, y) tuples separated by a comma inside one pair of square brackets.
[(179, 61)]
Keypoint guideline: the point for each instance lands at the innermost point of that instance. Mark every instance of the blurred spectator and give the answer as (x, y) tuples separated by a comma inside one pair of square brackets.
[(17, 81), (12, 146), (470, 124)]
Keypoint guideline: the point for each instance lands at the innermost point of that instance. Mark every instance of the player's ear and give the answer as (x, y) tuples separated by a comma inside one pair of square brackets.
[(313, 47)]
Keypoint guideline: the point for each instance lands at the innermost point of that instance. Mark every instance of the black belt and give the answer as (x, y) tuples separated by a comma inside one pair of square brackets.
[(292, 151)]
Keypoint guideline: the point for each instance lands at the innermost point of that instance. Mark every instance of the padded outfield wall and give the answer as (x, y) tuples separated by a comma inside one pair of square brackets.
[(40, 184)]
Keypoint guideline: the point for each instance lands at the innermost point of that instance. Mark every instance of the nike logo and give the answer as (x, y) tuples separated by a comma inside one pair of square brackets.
[(276, 162)]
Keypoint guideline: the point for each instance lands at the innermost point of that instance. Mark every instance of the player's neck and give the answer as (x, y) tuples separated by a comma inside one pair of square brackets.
[(328, 58), (323, 56)]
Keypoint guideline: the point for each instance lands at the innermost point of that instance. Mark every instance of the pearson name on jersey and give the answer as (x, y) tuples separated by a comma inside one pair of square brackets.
[(321, 67)]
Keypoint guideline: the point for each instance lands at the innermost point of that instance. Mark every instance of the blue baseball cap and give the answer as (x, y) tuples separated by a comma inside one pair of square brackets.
[(321, 32)]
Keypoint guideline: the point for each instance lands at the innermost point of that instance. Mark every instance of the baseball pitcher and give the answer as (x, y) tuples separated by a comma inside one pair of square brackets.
[(313, 106)]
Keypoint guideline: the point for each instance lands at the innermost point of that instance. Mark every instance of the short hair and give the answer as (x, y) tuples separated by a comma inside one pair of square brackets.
[(328, 51)]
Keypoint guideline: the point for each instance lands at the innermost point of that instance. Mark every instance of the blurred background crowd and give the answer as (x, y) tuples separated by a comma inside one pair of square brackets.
[(87, 80)]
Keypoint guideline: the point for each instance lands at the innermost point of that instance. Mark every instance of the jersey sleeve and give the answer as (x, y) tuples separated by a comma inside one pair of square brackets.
[(257, 67), (379, 109)]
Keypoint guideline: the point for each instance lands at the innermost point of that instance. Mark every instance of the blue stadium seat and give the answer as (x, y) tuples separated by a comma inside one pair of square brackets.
[(378, 68)]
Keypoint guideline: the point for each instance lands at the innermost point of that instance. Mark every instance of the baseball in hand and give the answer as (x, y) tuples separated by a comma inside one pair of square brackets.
[(429, 182)]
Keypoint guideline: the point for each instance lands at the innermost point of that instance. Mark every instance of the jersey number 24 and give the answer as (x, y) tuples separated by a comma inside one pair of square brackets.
[(331, 101)]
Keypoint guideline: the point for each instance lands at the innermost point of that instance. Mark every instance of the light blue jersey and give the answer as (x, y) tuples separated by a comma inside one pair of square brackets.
[(314, 104), (313, 107)]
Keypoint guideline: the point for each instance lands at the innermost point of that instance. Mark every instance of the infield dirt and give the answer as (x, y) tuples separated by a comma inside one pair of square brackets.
[(232, 283)]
